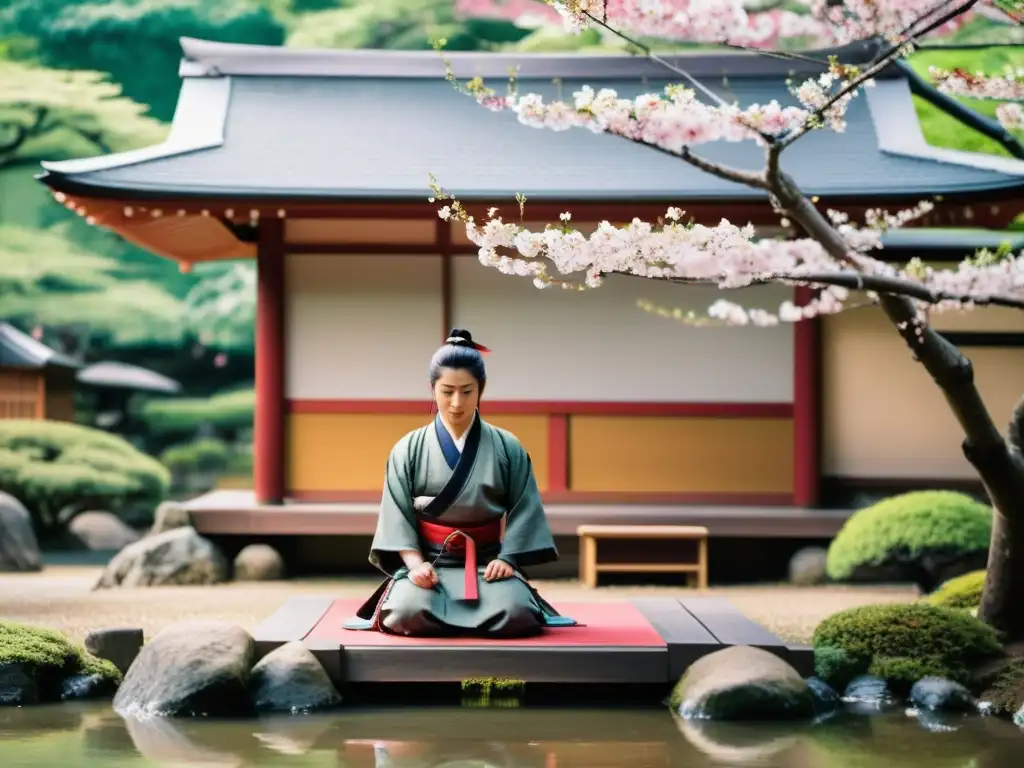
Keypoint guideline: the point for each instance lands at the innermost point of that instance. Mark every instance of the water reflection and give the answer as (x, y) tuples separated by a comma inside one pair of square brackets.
[(91, 734)]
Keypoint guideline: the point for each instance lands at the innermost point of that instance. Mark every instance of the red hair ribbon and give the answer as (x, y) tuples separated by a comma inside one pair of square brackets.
[(481, 348)]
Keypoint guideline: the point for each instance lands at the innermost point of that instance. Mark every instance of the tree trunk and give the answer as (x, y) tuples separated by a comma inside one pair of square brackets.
[(999, 465)]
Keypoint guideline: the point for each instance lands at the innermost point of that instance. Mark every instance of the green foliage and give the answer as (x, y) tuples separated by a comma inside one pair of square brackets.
[(136, 41), (55, 114), (909, 525), (902, 643), (228, 411), (836, 666), (50, 466), (207, 454), (221, 307), (1006, 693), (48, 280), (963, 592), (50, 655)]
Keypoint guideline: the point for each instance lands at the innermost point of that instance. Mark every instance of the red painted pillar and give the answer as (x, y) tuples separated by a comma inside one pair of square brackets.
[(268, 422), (806, 405)]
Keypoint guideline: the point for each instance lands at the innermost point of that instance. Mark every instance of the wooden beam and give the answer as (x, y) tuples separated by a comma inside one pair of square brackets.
[(806, 404), (269, 418), (443, 243)]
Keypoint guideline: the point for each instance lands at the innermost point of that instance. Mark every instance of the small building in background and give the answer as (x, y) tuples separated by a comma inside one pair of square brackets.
[(36, 381)]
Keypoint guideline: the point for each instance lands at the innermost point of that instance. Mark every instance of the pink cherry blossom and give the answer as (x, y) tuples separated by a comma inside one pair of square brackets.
[(1008, 87)]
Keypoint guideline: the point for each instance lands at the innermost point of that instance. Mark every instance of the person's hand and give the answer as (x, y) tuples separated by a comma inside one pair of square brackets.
[(423, 575), (497, 570)]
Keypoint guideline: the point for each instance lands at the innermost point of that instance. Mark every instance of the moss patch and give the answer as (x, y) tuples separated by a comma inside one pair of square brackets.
[(492, 692), (1006, 693), (963, 592), (908, 526), (50, 656), (902, 643)]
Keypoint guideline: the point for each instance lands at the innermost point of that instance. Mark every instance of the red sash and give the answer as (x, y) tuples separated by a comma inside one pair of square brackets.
[(463, 539)]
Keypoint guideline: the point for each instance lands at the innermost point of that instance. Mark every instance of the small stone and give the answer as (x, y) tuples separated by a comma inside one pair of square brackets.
[(1018, 718), (291, 679), (17, 684), (86, 687), (826, 700), (937, 694), (259, 562), (807, 567), (868, 693), (118, 646), (168, 516), (101, 532)]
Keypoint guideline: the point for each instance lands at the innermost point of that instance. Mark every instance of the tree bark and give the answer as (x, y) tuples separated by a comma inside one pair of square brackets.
[(999, 464)]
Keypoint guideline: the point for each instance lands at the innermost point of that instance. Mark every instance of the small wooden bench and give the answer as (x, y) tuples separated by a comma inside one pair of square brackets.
[(590, 567)]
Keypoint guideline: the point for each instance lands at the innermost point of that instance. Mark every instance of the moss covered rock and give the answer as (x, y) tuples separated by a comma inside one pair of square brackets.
[(925, 537), (902, 643), (963, 592), (1006, 691), (742, 683), (42, 665)]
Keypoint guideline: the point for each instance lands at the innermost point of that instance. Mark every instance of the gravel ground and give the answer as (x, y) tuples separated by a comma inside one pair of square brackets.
[(61, 598)]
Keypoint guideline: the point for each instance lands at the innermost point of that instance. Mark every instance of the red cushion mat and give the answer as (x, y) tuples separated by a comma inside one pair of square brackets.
[(606, 624)]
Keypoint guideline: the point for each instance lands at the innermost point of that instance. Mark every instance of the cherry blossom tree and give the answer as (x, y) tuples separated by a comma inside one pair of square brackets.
[(1007, 87), (833, 255)]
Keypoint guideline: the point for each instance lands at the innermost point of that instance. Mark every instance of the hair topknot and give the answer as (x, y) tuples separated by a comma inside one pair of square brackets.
[(459, 352)]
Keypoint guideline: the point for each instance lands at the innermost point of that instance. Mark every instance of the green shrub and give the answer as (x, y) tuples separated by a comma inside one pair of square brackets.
[(902, 643), (907, 526), (224, 412), (50, 466), (50, 656), (207, 454), (962, 592)]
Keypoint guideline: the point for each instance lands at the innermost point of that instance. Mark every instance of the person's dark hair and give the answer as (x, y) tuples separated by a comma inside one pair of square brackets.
[(459, 352)]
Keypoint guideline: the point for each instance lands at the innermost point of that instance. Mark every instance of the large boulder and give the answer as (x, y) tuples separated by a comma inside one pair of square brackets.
[(19, 548), (101, 531), (39, 665), (179, 556), (291, 679), (742, 683), (259, 562), (936, 694), (924, 537), (901, 643), (191, 668)]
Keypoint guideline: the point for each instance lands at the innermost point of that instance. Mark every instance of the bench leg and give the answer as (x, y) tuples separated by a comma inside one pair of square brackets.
[(702, 561), (588, 561)]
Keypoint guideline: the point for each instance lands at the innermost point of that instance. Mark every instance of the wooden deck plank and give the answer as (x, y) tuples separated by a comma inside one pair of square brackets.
[(687, 639), (292, 621), (538, 664), (731, 627), (236, 512)]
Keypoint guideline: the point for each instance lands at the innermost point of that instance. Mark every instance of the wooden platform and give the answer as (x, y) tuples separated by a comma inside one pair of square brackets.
[(640, 641), (236, 513)]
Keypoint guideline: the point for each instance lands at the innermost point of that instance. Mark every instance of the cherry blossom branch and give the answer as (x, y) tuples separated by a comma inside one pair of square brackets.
[(1008, 87)]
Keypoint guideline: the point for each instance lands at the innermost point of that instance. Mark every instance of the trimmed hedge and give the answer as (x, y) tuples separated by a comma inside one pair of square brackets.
[(50, 466), (906, 528), (207, 454), (227, 411), (902, 643), (963, 592)]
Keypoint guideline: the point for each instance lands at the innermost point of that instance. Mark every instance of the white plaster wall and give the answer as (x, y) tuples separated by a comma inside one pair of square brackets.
[(882, 414), (598, 345), (361, 327)]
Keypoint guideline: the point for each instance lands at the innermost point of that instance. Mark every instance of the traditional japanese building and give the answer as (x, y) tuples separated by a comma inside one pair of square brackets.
[(315, 164), (36, 381)]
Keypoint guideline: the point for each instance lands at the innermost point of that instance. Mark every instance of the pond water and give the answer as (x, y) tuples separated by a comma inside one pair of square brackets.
[(80, 734)]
